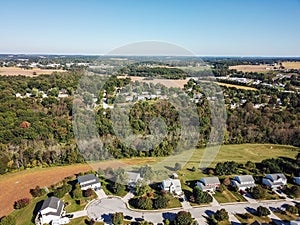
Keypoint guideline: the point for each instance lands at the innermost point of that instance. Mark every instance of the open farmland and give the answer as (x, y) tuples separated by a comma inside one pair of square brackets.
[(291, 65), (252, 68), (17, 185), (15, 71), (236, 86), (166, 82)]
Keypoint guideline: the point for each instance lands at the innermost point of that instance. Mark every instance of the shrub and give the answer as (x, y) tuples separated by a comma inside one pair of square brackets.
[(21, 203), (77, 193), (193, 169), (37, 192), (263, 211), (87, 193)]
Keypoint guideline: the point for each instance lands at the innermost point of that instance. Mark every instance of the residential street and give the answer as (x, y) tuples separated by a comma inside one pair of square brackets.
[(103, 207)]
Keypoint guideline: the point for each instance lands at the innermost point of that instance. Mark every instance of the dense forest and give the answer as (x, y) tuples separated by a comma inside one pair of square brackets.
[(36, 122)]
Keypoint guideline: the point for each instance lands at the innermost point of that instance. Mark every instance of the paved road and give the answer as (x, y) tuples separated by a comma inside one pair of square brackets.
[(102, 208)]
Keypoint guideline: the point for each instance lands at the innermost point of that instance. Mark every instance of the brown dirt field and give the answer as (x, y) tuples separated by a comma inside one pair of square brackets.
[(15, 186), (291, 65), (252, 68), (15, 71), (166, 82)]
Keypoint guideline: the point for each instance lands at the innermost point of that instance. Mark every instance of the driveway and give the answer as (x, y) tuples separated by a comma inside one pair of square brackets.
[(79, 214), (101, 194)]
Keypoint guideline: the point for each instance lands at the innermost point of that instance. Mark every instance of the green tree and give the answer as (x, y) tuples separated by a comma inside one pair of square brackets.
[(77, 192), (160, 202), (292, 209), (200, 196), (117, 218), (183, 218), (263, 211), (144, 203), (257, 192), (221, 215)]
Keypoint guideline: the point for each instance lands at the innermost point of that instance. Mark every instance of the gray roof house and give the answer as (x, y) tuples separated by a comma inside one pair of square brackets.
[(274, 180), (243, 182), (209, 183), (51, 210), (172, 186), (89, 181), (133, 178)]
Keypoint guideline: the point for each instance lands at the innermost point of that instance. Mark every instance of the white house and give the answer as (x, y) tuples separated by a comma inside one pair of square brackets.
[(243, 182), (89, 181), (51, 211), (172, 186), (209, 184), (133, 178), (275, 180), (297, 180)]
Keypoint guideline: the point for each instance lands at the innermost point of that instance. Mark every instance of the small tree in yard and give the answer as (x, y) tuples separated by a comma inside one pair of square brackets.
[(144, 203), (263, 211), (117, 187), (221, 215), (183, 218), (200, 196), (257, 192), (77, 193), (21, 203), (117, 218), (177, 166), (292, 209), (87, 193)]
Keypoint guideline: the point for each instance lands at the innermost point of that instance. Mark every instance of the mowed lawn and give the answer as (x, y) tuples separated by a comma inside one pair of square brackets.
[(239, 153)]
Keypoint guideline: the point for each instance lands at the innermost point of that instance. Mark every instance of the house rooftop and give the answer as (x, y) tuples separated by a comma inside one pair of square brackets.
[(276, 176), (211, 180), (133, 176), (88, 177), (245, 178), (51, 202)]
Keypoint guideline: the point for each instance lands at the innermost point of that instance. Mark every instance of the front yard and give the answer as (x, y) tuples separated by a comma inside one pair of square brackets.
[(228, 196), (242, 218)]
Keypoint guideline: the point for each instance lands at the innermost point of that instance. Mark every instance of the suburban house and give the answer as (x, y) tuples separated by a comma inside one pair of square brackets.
[(89, 181), (52, 210), (243, 182), (133, 178), (172, 186), (209, 184), (274, 180), (297, 180)]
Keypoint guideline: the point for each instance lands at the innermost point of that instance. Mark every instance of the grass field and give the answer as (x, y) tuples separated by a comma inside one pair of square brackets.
[(24, 216), (236, 86), (15, 71), (263, 219), (291, 65), (285, 216), (228, 196), (252, 68), (82, 221), (17, 185)]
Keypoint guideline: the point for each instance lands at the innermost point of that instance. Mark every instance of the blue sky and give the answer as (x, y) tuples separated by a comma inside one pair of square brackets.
[(206, 27)]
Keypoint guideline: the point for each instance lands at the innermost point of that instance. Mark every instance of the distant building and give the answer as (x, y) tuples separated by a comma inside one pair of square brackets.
[(51, 211), (172, 186), (133, 178), (209, 184), (275, 180), (89, 181), (243, 182)]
